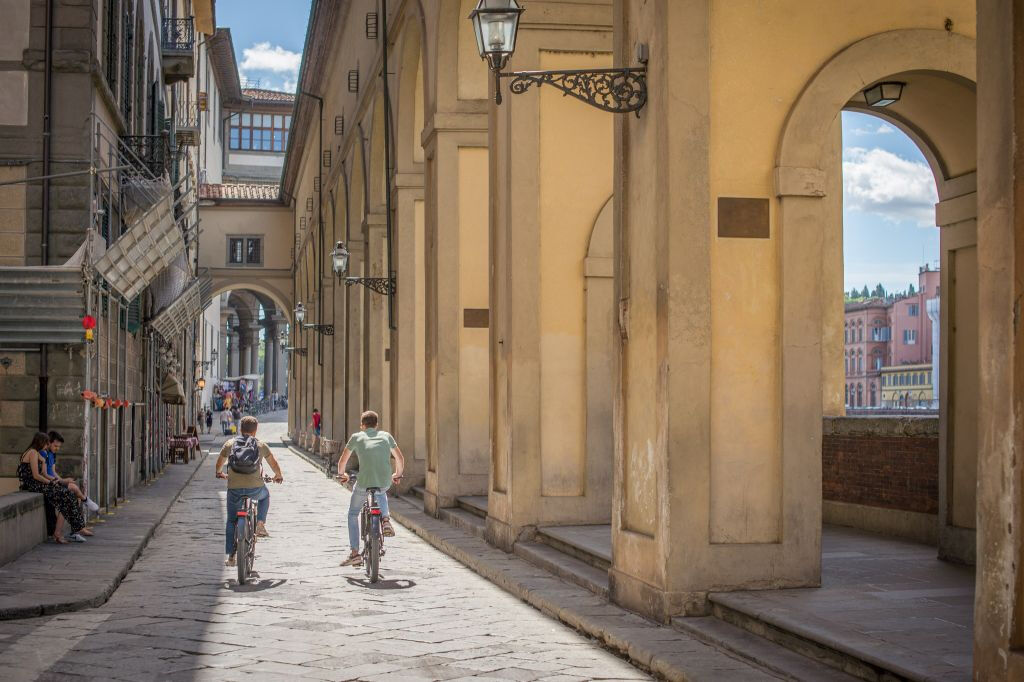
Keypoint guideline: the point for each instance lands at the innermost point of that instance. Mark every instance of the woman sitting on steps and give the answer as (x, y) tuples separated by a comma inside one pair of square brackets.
[(31, 472)]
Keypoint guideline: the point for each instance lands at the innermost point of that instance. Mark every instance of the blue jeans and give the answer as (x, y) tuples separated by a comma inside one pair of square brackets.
[(355, 507), (235, 495)]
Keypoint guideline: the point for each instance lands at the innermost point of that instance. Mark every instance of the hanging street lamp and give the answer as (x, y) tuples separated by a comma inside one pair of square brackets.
[(300, 313), (339, 263), (339, 259), (883, 94), (616, 90)]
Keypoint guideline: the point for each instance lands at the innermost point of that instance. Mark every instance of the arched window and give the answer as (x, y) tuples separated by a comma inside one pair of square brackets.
[(873, 398), (846, 395), (860, 395)]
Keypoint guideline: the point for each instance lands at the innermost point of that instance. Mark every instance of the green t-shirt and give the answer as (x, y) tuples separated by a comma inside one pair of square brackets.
[(373, 448)]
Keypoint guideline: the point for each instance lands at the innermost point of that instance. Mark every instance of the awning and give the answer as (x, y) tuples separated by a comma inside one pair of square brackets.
[(184, 309), (171, 390), (42, 304), (152, 242)]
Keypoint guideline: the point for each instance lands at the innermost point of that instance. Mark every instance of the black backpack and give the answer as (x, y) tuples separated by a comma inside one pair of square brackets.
[(245, 455)]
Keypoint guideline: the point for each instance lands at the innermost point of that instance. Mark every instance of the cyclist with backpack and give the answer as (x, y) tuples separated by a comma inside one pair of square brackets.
[(244, 456)]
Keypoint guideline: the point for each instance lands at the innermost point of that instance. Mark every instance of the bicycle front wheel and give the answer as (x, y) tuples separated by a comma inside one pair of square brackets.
[(373, 551)]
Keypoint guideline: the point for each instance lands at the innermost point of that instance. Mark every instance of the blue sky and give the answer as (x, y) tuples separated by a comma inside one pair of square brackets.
[(888, 205), (268, 37)]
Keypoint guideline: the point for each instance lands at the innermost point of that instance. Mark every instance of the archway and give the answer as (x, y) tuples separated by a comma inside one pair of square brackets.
[(937, 66)]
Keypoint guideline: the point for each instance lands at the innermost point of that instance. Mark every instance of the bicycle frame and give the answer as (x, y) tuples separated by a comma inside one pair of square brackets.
[(370, 529)]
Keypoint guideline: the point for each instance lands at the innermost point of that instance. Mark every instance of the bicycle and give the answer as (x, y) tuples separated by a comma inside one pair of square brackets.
[(245, 536), (371, 532)]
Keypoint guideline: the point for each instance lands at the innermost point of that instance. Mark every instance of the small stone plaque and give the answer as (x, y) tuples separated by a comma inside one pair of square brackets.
[(476, 318), (743, 218)]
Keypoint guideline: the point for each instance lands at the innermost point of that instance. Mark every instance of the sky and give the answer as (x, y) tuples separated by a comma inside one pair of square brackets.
[(268, 36), (889, 200)]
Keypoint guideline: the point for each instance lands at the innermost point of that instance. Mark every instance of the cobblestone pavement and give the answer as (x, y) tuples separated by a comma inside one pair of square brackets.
[(180, 615)]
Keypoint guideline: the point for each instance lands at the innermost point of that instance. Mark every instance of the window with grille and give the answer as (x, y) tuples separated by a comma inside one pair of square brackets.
[(259, 132), (245, 250)]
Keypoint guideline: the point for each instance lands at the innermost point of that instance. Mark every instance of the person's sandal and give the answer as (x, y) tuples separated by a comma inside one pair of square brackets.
[(353, 560), (261, 531), (59, 540), (386, 528), (86, 532)]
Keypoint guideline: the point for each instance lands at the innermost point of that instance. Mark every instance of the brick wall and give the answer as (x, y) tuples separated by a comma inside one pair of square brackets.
[(889, 462)]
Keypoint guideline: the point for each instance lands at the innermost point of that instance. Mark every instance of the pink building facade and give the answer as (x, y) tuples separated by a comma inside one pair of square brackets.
[(880, 333)]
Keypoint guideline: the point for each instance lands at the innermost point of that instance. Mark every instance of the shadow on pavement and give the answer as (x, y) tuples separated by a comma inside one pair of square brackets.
[(253, 587), (382, 584)]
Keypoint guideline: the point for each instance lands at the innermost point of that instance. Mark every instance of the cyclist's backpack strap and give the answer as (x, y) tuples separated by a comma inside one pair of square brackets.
[(245, 455)]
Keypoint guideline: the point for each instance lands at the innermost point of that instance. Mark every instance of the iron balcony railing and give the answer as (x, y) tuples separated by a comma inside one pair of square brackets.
[(179, 34), (152, 152)]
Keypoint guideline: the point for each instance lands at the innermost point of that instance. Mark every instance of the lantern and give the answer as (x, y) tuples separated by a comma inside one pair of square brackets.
[(496, 23)]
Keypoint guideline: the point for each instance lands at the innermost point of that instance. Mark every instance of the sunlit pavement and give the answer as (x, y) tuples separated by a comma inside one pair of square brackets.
[(180, 614)]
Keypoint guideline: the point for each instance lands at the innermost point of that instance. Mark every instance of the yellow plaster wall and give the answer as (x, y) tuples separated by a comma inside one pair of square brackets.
[(473, 72), (762, 55), (474, 422), (274, 224), (576, 147)]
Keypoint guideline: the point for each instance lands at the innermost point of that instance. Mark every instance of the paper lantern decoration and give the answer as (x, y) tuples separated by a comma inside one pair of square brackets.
[(88, 396), (88, 322)]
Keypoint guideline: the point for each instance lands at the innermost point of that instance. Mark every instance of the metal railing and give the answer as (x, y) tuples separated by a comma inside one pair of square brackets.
[(150, 152), (178, 34)]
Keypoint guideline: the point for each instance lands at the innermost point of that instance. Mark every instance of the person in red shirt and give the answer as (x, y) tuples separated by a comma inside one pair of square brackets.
[(316, 422)]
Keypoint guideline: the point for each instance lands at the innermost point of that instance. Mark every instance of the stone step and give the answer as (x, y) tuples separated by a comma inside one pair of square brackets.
[(565, 539), (464, 520), (816, 640), (564, 566), (418, 490), (759, 651), (413, 499), (474, 504)]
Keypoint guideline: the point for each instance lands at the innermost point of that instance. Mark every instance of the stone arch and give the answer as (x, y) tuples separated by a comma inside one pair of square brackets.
[(376, 177), (805, 172), (282, 301), (411, 95)]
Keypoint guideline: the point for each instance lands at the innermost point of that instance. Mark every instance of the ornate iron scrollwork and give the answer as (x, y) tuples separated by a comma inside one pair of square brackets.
[(384, 286), (618, 91), (325, 329)]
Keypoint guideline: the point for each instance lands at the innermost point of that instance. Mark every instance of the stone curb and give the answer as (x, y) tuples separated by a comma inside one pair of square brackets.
[(663, 651), (100, 588)]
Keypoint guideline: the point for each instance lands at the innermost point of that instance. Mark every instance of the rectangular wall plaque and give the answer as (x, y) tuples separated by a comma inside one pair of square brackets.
[(476, 318), (743, 218)]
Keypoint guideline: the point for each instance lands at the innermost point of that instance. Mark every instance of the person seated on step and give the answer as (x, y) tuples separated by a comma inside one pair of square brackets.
[(374, 450), (32, 474), (50, 457)]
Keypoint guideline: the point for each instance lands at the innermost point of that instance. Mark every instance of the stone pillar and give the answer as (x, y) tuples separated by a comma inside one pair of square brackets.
[(280, 382), (355, 297), (254, 348), (999, 606), (234, 354), (244, 354), (457, 302), (378, 336)]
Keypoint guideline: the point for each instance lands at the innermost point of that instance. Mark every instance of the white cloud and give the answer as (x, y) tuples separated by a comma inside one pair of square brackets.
[(879, 182), (885, 129), (265, 57), (289, 86)]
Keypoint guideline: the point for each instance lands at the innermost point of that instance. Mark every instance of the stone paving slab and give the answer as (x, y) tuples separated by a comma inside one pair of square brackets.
[(53, 578)]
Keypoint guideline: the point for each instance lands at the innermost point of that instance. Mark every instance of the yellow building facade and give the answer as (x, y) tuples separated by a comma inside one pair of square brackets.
[(587, 327)]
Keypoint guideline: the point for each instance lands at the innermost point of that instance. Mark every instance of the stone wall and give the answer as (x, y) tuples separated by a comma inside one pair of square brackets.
[(882, 474)]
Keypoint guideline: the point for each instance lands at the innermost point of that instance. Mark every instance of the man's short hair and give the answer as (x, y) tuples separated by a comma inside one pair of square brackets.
[(249, 424), (369, 419), (55, 437)]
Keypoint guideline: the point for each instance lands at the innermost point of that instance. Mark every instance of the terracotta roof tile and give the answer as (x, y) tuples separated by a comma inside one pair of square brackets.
[(244, 192), (264, 95)]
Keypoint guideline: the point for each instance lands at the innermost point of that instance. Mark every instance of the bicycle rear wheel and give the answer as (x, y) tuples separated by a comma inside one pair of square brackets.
[(242, 550), (373, 551)]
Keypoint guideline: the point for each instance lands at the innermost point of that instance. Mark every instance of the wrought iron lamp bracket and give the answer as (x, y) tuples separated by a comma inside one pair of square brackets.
[(385, 286), (325, 329), (297, 351), (618, 91)]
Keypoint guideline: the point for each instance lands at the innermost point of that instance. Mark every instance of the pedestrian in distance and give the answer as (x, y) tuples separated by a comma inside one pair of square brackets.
[(209, 420), (374, 450), (315, 422)]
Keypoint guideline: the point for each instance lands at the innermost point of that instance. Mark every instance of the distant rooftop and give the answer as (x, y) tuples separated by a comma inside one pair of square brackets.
[(240, 191), (265, 95)]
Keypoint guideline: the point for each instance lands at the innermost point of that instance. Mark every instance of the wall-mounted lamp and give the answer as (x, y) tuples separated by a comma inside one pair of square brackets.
[(883, 94)]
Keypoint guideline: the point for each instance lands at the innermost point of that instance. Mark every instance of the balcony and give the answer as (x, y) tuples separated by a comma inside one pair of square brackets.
[(149, 152), (177, 48), (186, 125)]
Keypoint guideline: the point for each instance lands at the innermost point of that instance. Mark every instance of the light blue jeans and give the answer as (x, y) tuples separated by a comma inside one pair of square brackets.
[(355, 507), (235, 495)]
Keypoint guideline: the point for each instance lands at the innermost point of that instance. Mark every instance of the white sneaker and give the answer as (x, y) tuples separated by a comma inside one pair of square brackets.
[(91, 506), (230, 561), (75, 537)]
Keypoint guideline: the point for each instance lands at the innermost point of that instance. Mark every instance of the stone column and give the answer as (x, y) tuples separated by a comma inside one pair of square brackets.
[(377, 332), (234, 354), (279, 383), (355, 297), (243, 353), (457, 303), (999, 608)]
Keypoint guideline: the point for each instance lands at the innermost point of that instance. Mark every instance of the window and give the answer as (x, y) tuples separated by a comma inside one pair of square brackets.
[(878, 361), (909, 337), (880, 334), (259, 132), (913, 309), (245, 250)]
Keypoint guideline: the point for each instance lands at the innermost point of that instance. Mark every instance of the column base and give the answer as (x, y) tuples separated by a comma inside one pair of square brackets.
[(434, 503), (505, 536), (652, 602), (958, 545)]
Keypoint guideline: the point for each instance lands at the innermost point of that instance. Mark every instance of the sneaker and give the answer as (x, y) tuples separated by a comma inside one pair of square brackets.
[(76, 537), (386, 528), (261, 531), (230, 561), (91, 506), (353, 560)]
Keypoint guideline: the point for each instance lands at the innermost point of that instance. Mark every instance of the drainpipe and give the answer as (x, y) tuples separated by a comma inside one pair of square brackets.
[(44, 370)]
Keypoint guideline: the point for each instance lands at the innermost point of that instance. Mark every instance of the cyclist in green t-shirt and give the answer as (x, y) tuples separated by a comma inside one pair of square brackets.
[(374, 449)]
